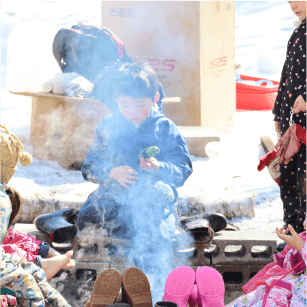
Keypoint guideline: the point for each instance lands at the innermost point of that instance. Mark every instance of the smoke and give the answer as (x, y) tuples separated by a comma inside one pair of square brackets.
[(132, 231), (65, 133), (75, 292), (150, 233), (148, 226)]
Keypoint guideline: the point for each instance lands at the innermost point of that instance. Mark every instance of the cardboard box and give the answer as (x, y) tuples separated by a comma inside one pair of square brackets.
[(191, 46)]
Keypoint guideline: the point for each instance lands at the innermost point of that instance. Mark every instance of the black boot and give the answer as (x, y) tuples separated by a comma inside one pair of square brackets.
[(59, 225), (165, 304), (281, 246), (216, 221), (118, 305)]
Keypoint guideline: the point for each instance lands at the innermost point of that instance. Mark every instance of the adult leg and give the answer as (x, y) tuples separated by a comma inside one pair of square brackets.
[(301, 188), (288, 192)]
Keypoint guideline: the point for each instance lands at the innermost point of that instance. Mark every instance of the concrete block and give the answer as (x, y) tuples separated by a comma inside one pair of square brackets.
[(232, 296), (197, 138), (235, 276), (229, 247), (91, 247)]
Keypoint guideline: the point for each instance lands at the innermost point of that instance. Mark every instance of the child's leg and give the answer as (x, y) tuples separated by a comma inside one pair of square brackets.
[(245, 301), (24, 287), (53, 265), (44, 250), (51, 296), (29, 283), (52, 253)]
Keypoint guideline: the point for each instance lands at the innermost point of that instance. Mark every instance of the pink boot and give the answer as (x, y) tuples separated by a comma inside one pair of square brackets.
[(193, 300), (178, 286), (210, 287)]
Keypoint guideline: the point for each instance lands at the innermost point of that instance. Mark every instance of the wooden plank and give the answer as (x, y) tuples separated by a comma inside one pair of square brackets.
[(267, 144), (51, 95)]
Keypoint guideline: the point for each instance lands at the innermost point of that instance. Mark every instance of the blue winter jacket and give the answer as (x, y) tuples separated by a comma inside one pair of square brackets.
[(118, 143)]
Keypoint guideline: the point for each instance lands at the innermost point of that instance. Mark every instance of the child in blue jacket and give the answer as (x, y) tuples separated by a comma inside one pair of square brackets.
[(137, 196)]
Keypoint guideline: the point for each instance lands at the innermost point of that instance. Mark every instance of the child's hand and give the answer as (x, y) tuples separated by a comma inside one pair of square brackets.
[(295, 241), (124, 175), (150, 164), (299, 105)]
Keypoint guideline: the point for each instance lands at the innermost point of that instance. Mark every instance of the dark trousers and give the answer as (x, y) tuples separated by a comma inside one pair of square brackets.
[(291, 190)]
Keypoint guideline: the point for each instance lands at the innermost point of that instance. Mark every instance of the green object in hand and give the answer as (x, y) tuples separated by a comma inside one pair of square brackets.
[(149, 152)]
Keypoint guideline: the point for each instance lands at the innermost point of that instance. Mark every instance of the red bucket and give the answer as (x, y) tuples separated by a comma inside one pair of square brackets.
[(256, 97)]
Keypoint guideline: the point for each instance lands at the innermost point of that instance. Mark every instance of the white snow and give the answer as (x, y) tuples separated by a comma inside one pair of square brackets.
[(262, 31)]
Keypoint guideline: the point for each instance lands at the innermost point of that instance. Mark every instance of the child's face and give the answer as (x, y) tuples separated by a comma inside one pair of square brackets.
[(136, 110)]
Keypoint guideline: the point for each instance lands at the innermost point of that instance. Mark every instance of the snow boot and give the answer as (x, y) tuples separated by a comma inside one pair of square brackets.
[(210, 287), (119, 305), (165, 304), (216, 221), (136, 288), (179, 285), (59, 225)]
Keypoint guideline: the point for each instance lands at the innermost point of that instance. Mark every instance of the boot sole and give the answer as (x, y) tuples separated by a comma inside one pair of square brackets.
[(210, 287), (106, 288), (179, 285), (136, 288)]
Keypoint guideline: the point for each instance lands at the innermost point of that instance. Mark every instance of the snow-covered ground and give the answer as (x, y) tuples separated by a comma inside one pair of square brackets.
[(262, 31)]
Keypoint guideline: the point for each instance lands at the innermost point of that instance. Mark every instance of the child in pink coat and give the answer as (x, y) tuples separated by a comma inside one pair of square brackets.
[(291, 290)]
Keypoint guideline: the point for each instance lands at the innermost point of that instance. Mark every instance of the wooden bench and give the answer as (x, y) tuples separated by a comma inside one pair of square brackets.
[(197, 138)]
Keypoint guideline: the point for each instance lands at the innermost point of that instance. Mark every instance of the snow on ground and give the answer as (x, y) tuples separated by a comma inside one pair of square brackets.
[(262, 31)]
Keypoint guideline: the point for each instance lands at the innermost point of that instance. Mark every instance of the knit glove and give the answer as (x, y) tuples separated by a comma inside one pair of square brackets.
[(288, 145), (162, 195), (294, 145)]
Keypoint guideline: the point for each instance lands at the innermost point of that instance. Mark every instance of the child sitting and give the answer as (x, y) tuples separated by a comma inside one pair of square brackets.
[(287, 290), (283, 262), (24, 280), (26, 246), (137, 193)]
